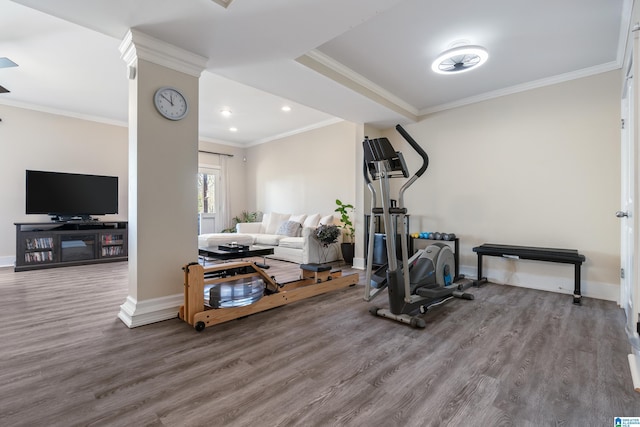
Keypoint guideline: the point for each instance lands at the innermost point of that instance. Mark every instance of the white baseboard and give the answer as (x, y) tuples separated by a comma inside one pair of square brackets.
[(359, 263), (7, 261), (562, 285), (138, 313)]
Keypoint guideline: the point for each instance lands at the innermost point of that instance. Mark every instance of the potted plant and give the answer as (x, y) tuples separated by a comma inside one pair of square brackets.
[(327, 235), (245, 216), (347, 246)]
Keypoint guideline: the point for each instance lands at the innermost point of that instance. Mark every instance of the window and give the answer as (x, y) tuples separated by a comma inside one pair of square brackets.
[(209, 200), (207, 184)]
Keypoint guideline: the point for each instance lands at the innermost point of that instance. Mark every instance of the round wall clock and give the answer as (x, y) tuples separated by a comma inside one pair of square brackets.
[(171, 103)]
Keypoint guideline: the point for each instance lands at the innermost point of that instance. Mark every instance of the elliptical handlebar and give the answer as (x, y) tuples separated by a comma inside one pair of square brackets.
[(365, 171), (415, 146)]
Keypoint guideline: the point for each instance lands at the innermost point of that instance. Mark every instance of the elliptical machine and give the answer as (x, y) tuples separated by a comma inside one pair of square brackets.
[(425, 280)]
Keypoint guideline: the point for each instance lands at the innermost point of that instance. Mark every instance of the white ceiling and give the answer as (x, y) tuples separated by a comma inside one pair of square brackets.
[(366, 61)]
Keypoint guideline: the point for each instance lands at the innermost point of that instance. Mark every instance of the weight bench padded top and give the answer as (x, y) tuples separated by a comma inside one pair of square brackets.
[(569, 256), (566, 256)]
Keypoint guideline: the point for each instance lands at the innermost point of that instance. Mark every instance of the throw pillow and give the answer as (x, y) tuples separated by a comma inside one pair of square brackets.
[(298, 218), (290, 229), (311, 221), (326, 220), (275, 220)]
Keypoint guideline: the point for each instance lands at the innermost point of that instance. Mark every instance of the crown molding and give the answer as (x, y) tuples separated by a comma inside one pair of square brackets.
[(318, 125), (339, 73), (64, 113), (221, 142), (138, 45), (585, 72)]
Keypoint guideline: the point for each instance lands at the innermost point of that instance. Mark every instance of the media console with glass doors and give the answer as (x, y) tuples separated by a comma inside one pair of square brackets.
[(59, 244)]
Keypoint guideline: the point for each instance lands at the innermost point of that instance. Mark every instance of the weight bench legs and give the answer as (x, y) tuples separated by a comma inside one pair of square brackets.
[(577, 296)]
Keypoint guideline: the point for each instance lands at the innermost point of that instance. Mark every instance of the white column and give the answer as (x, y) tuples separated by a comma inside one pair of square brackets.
[(163, 165)]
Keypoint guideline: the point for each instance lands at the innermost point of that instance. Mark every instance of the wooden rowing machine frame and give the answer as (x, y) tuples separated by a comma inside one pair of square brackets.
[(200, 315)]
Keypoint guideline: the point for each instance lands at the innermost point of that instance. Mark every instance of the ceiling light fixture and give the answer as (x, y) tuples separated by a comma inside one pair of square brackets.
[(460, 59), (6, 63), (232, 129), (223, 3), (286, 108), (226, 112)]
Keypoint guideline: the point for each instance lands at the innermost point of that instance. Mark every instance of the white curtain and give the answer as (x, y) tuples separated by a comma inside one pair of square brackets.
[(225, 213)]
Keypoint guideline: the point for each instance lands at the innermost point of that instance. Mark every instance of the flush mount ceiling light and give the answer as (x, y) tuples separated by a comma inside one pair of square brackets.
[(6, 63), (460, 59), (226, 112), (286, 108)]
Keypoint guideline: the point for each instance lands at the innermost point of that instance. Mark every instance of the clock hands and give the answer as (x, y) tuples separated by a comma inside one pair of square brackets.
[(170, 101)]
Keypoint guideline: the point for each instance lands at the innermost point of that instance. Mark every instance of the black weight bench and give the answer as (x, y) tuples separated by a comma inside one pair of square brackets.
[(565, 256)]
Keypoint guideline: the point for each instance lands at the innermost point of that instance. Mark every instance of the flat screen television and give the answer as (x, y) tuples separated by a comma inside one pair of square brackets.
[(69, 196)]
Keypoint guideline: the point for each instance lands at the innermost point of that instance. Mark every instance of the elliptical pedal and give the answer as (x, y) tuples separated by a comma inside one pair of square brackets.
[(434, 293)]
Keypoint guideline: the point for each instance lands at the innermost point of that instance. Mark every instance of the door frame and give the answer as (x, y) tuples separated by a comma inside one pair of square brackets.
[(218, 189)]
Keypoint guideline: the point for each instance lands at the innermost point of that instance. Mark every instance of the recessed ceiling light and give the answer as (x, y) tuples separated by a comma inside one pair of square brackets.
[(223, 3), (460, 59), (286, 108), (232, 129), (226, 112)]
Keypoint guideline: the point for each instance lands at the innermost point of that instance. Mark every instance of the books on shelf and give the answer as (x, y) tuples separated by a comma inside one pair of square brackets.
[(112, 251), (38, 256), (39, 243), (112, 239)]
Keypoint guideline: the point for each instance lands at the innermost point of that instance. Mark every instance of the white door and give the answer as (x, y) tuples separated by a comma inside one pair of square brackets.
[(209, 200), (629, 286)]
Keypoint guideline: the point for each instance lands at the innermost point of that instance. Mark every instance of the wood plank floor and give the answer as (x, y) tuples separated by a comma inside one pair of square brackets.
[(511, 357)]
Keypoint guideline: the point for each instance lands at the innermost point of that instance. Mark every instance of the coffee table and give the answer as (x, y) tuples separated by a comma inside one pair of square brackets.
[(225, 255)]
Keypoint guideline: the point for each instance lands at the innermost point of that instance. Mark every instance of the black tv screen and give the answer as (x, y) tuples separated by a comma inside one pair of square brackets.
[(69, 195)]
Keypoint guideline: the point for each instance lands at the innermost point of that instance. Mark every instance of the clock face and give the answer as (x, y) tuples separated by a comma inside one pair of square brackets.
[(171, 103)]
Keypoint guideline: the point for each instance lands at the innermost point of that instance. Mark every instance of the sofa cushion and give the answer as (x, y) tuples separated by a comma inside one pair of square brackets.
[(291, 242), (214, 240), (298, 218), (265, 222), (275, 219), (326, 220), (290, 229), (267, 239), (248, 227), (311, 221)]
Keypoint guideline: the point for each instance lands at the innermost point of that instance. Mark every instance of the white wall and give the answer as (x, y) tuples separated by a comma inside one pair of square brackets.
[(37, 140), (304, 173), (535, 168), (42, 141), (538, 168)]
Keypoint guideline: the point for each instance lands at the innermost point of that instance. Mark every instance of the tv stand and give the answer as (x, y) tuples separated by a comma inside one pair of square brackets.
[(59, 244)]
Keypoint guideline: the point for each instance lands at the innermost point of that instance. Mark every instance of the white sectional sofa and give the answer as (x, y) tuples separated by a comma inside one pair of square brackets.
[(291, 236)]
